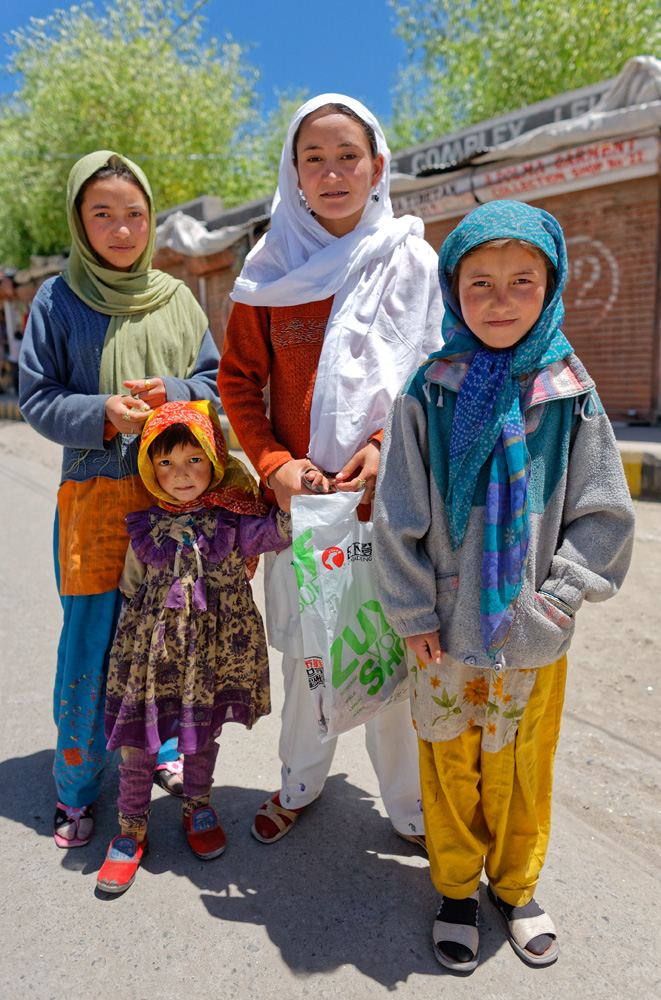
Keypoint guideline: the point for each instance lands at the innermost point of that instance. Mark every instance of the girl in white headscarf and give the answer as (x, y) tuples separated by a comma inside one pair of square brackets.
[(334, 307)]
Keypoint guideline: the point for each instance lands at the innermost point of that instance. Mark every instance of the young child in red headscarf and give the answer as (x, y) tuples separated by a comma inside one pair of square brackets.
[(189, 652)]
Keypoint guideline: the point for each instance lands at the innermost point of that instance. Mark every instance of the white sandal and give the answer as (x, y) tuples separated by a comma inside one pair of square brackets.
[(524, 924), (456, 932)]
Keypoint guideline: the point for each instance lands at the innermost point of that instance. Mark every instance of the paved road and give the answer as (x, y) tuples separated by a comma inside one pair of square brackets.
[(341, 908)]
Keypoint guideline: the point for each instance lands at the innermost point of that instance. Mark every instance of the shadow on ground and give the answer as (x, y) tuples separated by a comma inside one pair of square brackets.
[(341, 889), (30, 797)]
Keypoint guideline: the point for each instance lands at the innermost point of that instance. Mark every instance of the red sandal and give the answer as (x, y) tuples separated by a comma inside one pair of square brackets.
[(279, 818), (121, 864)]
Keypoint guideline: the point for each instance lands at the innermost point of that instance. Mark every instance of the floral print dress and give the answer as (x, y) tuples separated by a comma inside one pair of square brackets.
[(190, 650), (449, 698)]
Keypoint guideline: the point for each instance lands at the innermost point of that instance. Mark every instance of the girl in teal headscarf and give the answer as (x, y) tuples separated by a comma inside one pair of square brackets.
[(501, 505), (105, 343), (499, 349)]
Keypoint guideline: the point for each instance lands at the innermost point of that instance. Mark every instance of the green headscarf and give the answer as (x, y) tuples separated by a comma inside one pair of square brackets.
[(156, 326)]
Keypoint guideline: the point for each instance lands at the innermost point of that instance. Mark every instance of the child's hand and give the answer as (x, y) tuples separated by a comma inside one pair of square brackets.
[(361, 471), (286, 481), (126, 414), (149, 390), (427, 647)]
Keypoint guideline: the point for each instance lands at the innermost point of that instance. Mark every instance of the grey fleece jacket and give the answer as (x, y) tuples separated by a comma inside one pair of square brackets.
[(580, 511)]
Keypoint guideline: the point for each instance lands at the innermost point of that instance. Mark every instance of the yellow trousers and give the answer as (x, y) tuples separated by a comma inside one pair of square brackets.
[(493, 810)]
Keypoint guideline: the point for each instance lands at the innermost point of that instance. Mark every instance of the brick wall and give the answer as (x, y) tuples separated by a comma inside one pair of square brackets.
[(217, 271), (612, 296), (219, 304)]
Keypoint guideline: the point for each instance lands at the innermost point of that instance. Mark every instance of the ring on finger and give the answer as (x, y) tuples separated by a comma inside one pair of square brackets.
[(148, 385), (126, 415), (361, 483)]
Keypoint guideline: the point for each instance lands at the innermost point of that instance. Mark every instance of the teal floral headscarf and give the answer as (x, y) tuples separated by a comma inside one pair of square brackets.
[(488, 422)]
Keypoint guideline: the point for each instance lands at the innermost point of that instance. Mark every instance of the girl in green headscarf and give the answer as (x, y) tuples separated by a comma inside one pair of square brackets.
[(106, 342)]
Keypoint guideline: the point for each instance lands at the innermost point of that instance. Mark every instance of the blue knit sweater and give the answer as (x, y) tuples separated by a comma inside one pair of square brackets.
[(59, 383)]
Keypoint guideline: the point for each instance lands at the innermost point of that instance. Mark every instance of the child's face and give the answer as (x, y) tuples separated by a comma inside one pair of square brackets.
[(501, 293), (336, 170), (115, 215), (184, 473)]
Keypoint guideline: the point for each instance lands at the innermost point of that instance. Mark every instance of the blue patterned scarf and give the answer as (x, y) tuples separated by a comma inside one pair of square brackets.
[(488, 422)]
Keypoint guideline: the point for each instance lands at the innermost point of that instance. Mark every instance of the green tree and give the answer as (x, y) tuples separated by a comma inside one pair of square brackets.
[(469, 60), (265, 143), (138, 77)]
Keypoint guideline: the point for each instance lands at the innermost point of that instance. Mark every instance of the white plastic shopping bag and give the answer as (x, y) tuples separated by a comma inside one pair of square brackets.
[(354, 661)]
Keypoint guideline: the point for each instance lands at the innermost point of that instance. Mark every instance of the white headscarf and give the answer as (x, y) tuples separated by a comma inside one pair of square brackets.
[(373, 272)]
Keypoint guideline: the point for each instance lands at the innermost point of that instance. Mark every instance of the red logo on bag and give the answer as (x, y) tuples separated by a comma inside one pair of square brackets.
[(333, 557)]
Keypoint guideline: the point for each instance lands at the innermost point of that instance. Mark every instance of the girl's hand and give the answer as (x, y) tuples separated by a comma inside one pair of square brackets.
[(286, 481), (361, 470), (149, 390), (126, 414), (427, 647)]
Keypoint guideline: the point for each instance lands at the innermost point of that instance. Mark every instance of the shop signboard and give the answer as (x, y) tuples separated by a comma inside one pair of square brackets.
[(459, 146), (598, 163)]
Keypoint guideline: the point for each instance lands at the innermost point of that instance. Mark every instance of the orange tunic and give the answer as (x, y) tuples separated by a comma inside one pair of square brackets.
[(279, 346), (93, 539)]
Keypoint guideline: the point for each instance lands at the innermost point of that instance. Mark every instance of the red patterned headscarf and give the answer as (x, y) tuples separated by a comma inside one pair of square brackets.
[(231, 485)]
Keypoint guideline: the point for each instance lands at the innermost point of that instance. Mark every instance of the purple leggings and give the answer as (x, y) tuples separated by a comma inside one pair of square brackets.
[(136, 777)]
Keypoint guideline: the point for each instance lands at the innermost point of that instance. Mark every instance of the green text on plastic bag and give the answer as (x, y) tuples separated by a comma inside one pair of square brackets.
[(379, 649), (305, 569)]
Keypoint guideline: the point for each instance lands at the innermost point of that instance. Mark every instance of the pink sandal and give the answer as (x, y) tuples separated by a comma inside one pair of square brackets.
[(73, 826), (170, 776)]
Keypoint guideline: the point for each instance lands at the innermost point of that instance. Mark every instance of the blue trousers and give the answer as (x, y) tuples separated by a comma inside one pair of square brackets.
[(80, 693)]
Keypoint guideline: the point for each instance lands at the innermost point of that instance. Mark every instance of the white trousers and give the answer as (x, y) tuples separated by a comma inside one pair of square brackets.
[(391, 744), (390, 738)]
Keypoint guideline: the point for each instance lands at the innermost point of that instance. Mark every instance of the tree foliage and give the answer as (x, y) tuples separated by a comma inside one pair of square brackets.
[(138, 77), (265, 143), (469, 60)]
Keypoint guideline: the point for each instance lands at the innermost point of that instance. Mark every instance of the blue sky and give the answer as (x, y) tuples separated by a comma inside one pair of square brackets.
[(344, 45)]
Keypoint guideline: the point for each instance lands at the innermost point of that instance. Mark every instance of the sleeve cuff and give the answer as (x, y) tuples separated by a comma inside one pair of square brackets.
[(406, 627)]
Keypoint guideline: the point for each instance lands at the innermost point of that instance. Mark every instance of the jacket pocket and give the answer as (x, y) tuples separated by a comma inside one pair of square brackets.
[(554, 609), (541, 631)]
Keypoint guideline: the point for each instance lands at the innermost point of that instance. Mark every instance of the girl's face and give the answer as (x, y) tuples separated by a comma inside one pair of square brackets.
[(115, 215), (184, 473), (336, 170), (501, 293)]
